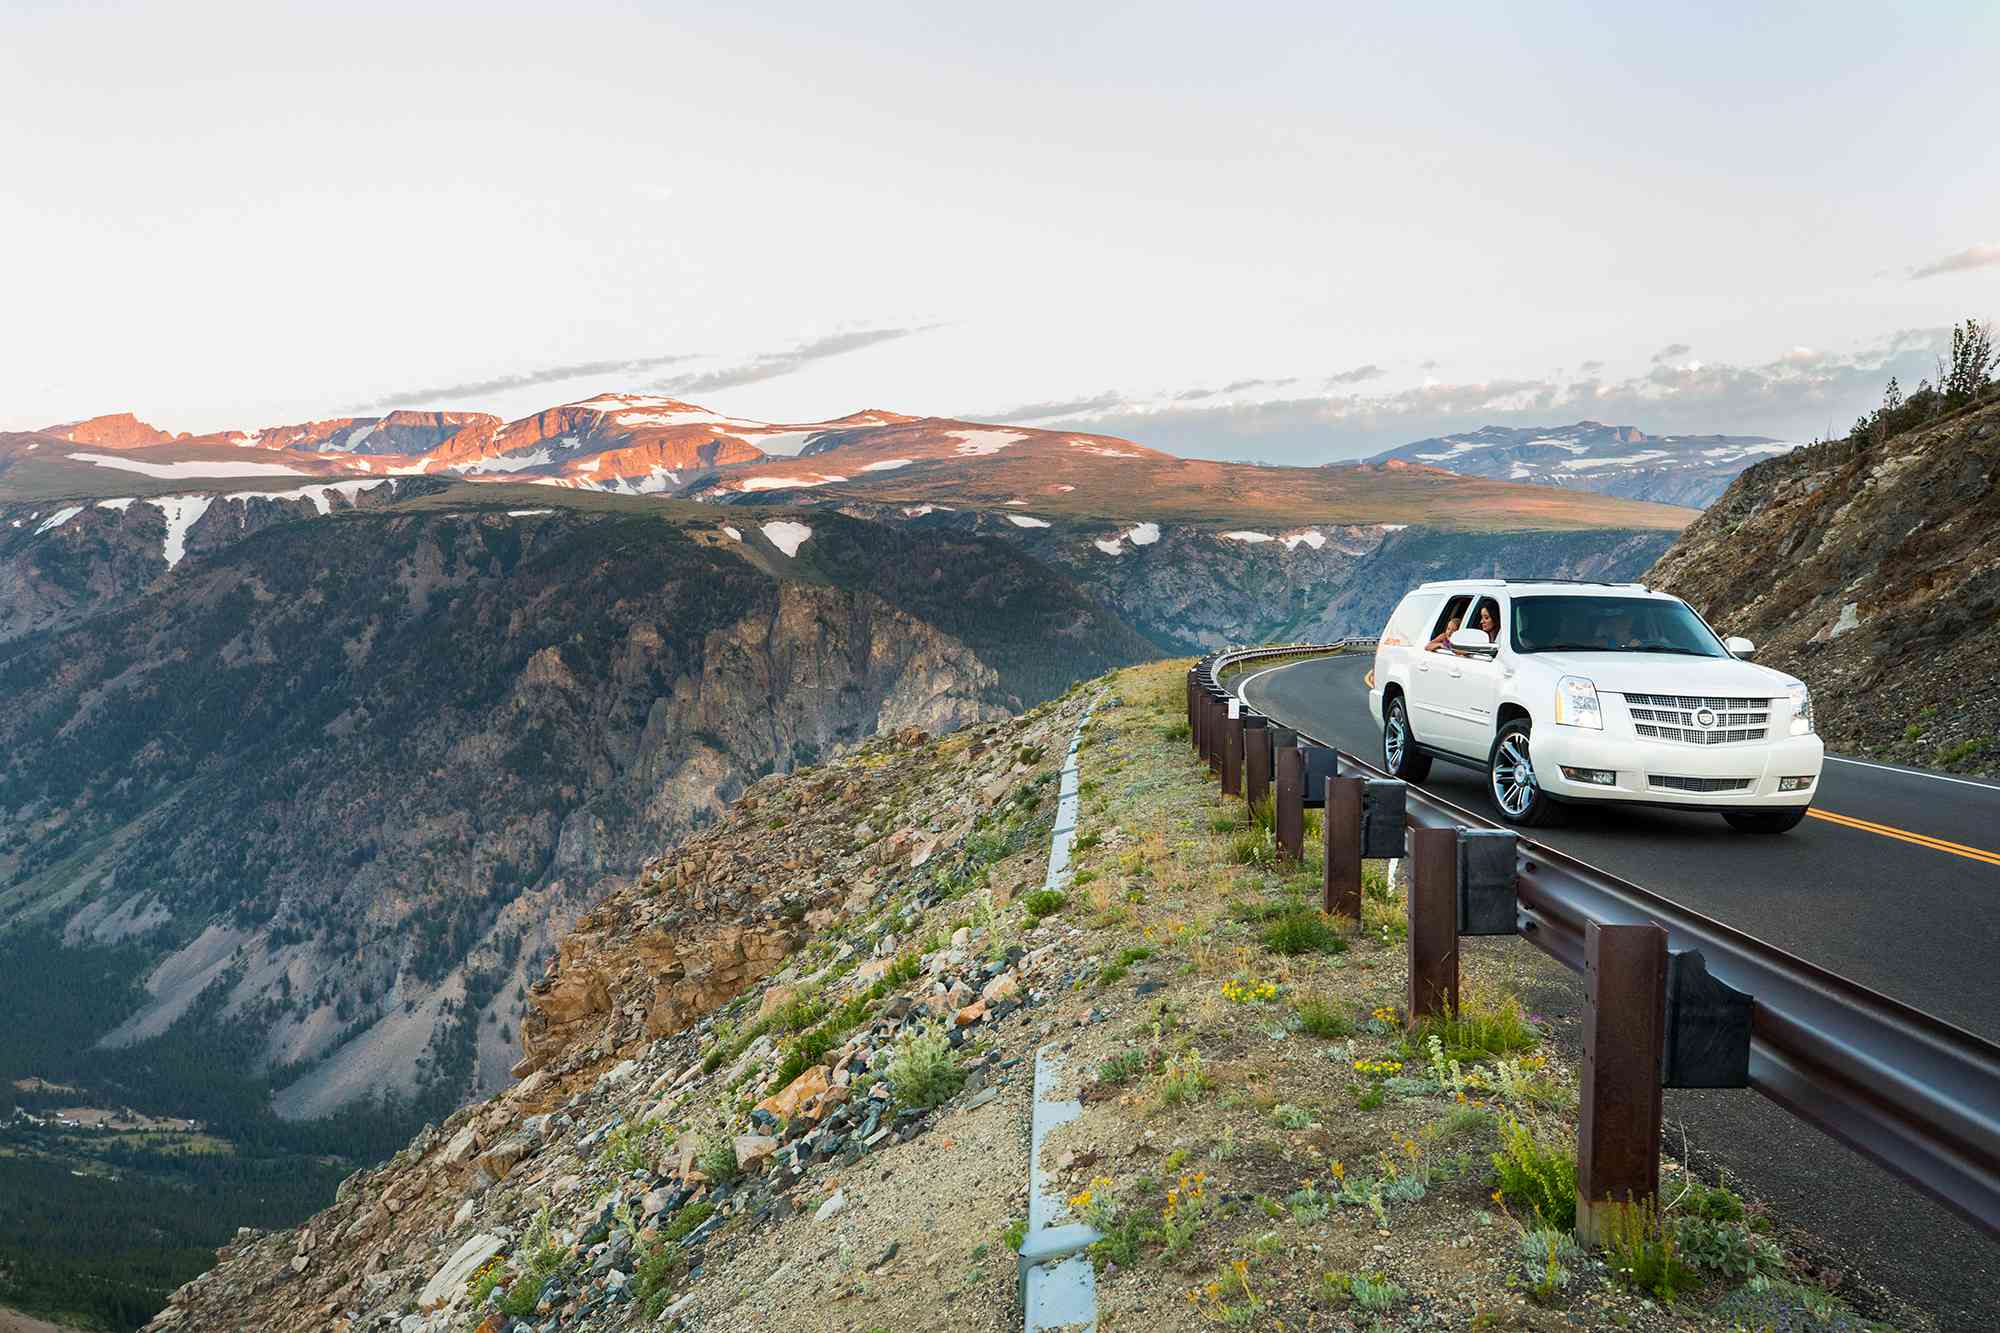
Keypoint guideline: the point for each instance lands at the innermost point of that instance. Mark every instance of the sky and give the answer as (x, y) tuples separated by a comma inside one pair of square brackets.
[(1289, 232)]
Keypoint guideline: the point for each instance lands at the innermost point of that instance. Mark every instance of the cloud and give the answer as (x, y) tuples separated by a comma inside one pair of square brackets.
[(1796, 394), (1101, 402), (1356, 375), (771, 365), (1234, 386), (1428, 365), (453, 394), (1978, 256), (1590, 367), (1670, 352)]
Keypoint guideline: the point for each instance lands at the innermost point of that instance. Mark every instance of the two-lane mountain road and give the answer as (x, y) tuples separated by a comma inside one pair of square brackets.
[(1895, 882)]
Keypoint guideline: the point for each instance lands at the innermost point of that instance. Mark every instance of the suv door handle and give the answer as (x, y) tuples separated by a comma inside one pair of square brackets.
[(1423, 666), (1457, 672)]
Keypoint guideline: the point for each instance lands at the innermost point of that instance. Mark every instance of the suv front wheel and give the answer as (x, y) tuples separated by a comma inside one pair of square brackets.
[(1400, 754), (1510, 777)]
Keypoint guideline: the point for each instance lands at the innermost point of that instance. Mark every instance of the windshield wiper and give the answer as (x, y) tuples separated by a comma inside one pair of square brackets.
[(1662, 648), (1573, 648)]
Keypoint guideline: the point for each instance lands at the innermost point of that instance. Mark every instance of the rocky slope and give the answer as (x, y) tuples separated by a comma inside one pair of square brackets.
[(1869, 569), (1589, 455), (347, 777), (617, 1108)]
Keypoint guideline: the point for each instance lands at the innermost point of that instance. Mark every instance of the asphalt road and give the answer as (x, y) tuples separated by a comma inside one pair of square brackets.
[(1896, 886)]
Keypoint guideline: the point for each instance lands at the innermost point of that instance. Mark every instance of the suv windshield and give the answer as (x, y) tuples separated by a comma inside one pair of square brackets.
[(1611, 625)]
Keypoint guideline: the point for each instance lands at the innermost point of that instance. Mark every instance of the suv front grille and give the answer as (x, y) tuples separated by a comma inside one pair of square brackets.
[(1672, 717), (1668, 782)]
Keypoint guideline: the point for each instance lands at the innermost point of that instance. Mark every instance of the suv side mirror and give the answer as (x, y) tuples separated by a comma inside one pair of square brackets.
[(1472, 641), (1739, 646)]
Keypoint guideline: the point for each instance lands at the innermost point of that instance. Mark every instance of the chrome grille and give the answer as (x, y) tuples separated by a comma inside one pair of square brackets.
[(1671, 717), (1670, 782)]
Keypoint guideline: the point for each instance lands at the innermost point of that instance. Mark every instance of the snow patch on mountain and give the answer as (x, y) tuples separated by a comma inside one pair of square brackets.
[(1251, 538), (975, 443), (785, 483), (1143, 534), (120, 505), (181, 513), (786, 535), (57, 519), (317, 494), (1025, 521), (188, 468), (888, 464)]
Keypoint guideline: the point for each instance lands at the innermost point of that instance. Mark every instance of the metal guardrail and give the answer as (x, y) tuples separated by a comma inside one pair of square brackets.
[(1909, 1091)]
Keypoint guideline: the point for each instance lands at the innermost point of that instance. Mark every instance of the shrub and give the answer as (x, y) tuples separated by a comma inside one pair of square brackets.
[(1302, 931), (1483, 1027), (1292, 1117), (1321, 1016), (1765, 1302), (1374, 1292), (653, 1281), (1642, 1252), (717, 1159), (906, 968), (1183, 1080), (1536, 1175), (925, 1069), (1121, 1067), (1727, 1248), (1044, 902)]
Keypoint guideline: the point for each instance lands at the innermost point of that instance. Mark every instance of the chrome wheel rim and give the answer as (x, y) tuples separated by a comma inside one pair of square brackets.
[(1513, 776), (1394, 739)]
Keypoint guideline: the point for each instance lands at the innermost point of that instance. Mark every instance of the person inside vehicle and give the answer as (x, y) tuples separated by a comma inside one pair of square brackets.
[(1485, 621)]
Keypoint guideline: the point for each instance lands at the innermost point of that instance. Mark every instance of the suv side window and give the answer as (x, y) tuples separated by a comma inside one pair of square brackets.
[(1487, 604), (1454, 609)]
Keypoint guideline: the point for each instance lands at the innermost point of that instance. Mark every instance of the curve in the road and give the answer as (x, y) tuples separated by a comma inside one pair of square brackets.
[(1891, 886)]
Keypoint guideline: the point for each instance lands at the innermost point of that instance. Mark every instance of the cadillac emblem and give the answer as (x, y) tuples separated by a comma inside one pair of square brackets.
[(1704, 717)]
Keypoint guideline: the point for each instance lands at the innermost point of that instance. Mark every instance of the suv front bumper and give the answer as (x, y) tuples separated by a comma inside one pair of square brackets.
[(1637, 764)]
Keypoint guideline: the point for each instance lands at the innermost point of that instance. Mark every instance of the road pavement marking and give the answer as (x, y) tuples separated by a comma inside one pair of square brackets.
[(1903, 835), (1915, 773)]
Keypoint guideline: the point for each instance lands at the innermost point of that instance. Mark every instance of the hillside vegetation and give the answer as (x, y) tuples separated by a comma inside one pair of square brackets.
[(839, 1143), (1868, 566)]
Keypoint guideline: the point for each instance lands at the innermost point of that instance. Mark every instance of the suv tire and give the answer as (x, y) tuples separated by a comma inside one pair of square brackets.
[(1765, 821), (1400, 754), (1510, 778)]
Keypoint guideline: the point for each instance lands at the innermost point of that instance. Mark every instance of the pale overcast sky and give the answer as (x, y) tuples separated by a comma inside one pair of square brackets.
[(1244, 230)]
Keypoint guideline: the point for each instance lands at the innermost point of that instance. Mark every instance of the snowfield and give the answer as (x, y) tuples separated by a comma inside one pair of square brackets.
[(317, 494), (786, 535), (1249, 537), (974, 443), (57, 519), (1024, 521), (181, 513), (888, 464), (189, 468)]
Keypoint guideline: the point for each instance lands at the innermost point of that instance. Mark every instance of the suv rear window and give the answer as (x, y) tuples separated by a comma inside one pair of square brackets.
[(1611, 625)]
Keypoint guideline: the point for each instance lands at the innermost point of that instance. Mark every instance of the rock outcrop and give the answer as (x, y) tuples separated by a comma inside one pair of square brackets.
[(1869, 569)]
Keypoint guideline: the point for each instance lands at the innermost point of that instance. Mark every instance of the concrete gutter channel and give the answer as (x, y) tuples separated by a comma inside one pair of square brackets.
[(1058, 1285)]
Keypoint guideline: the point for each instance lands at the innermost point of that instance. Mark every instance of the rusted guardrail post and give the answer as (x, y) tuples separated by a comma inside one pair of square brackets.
[(1193, 693), (1232, 751), (1289, 819), (1256, 762), (1204, 734), (1343, 847), (1618, 1135), (1213, 733), (1433, 923)]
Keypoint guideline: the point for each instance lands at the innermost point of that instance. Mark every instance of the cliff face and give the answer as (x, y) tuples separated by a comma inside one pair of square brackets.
[(348, 778), (1870, 571), (106, 553), (1417, 555)]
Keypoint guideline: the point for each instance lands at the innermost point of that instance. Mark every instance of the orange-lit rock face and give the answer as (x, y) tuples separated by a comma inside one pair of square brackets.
[(120, 430)]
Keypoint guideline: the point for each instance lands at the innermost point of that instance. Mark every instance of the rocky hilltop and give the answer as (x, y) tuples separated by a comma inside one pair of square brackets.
[(1867, 566)]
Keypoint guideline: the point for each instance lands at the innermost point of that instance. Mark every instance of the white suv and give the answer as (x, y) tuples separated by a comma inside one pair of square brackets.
[(1591, 692)]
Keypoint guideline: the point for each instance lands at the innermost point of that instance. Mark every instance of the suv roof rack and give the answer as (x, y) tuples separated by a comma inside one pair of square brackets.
[(1502, 583)]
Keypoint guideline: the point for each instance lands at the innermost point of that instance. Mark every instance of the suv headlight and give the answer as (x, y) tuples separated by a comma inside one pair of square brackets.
[(1576, 703), (1802, 712)]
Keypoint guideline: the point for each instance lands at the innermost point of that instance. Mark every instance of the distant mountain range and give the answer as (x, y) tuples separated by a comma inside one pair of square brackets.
[(1590, 456), (633, 444)]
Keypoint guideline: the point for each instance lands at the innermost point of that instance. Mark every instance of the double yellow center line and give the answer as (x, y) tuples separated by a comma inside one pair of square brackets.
[(1904, 835)]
